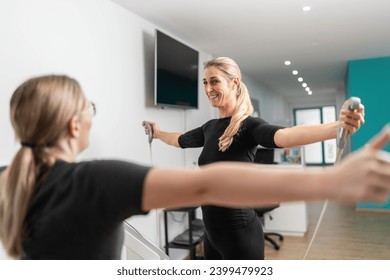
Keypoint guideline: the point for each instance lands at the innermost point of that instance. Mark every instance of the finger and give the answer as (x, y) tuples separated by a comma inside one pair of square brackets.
[(352, 122), (385, 158), (352, 115), (361, 108), (381, 139)]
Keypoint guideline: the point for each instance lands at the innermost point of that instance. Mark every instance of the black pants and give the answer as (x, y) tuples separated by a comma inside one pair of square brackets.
[(245, 243)]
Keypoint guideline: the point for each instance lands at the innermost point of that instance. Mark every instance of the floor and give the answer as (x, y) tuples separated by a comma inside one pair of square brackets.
[(344, 234)]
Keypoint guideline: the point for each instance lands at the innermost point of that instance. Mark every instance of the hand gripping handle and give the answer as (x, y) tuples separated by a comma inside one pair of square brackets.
[(150, 128), (352, 104)]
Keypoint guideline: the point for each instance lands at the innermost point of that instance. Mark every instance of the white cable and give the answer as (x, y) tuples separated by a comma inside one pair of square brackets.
[(156, 210), (151, 154), (158, 231), (324, 207), (316, 229)]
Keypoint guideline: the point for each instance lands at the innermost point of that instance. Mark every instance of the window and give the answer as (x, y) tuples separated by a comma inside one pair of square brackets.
[(323, 153)]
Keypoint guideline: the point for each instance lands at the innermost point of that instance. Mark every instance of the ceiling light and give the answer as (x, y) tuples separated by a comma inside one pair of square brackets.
[(306, 8), (307, 89), (300, 79), (309, 92), (295, 72), (287, 62), (304, 85)]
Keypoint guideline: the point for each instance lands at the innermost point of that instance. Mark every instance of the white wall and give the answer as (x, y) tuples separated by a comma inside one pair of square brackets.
[(110, 51)]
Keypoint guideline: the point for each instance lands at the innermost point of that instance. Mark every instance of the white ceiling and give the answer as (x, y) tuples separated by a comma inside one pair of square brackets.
[(261, 34)]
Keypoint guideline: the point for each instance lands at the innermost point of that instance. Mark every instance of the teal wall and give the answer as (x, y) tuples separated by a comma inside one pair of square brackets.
[(369, 79)]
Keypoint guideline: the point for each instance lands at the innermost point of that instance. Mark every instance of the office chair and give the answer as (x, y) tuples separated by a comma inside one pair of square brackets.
[(267, 235)]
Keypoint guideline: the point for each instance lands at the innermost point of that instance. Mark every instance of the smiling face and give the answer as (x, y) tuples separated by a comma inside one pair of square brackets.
[(220, 90)]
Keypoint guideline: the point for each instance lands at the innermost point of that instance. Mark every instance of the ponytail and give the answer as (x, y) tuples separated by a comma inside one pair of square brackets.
[(243, 110), (17, 185)]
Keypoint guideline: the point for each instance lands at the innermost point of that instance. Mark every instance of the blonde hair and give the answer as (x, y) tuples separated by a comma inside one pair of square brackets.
[(41, 109), (243, 108)]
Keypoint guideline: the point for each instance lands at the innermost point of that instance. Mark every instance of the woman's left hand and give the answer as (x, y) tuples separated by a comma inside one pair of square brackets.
[(351, 120)]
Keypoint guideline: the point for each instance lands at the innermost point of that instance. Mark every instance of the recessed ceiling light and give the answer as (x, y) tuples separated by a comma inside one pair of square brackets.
[(307, 89), (295, 72), (287, 62), (304, 85), (306, 8), (309, 92), (300, 79)]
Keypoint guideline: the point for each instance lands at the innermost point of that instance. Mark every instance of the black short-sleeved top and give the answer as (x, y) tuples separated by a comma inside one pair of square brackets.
[(253, 132), (77, 213)]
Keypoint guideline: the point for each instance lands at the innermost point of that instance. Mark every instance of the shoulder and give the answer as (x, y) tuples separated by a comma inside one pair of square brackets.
[(109, 167), (113, 183), (217, 123), (254, 121), (99, 172), (211, 122)]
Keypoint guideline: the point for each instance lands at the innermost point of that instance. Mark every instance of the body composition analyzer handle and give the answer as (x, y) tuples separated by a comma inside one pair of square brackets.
[(150, 128), (352, 104)]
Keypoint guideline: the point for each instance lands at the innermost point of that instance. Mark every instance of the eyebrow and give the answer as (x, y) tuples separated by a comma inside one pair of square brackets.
[(213, 77)]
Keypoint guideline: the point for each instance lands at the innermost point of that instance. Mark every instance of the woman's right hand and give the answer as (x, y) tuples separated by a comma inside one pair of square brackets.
[(364, 175), (155, 127)]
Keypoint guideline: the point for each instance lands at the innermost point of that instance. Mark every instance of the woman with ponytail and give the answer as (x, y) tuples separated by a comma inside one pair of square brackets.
[(53, 207), (236, 233)]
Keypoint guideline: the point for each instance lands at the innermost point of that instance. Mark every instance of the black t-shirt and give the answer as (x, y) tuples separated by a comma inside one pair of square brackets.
[(253, 132), (77, 213)]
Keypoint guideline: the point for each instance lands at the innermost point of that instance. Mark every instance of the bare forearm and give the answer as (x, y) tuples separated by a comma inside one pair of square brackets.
[(170, 138), (305, 134)]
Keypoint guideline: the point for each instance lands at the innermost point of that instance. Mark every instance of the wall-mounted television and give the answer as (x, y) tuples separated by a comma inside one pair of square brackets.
[(176, 73)]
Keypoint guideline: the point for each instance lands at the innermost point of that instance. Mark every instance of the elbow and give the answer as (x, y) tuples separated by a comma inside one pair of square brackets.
[(280, 138)]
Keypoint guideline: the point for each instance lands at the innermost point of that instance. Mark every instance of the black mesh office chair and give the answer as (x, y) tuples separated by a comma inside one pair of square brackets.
[(267, 235)]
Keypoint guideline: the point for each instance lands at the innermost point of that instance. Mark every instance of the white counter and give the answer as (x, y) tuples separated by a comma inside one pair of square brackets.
[(290, 218)]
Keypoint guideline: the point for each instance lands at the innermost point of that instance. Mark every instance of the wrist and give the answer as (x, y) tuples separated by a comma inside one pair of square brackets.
[(328, 183)]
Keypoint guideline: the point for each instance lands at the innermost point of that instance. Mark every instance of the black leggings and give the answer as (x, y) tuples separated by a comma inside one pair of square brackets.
[(246, 243)]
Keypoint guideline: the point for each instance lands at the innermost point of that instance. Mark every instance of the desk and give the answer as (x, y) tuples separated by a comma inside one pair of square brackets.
[(191, 246)]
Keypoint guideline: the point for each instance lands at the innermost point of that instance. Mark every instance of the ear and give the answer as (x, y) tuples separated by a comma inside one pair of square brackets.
[(236, 81), (74, 127)]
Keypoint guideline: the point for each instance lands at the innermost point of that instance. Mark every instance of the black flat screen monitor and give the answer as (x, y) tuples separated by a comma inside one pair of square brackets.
[(176, 73)]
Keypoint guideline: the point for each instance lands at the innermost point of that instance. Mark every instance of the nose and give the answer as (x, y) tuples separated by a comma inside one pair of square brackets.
[(208, 88)]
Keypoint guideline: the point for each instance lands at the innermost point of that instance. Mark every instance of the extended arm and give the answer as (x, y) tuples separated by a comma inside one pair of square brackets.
[(364, 176), (308, 134), (170, 138), (305, 134)]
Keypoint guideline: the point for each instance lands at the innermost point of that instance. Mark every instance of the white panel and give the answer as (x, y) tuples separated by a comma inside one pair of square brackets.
[(313, 152), (288, 219), (330, 151)]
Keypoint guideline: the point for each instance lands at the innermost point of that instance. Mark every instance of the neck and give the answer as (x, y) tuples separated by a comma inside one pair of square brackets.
[(66, 150), (228, 109), (225, 112)]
